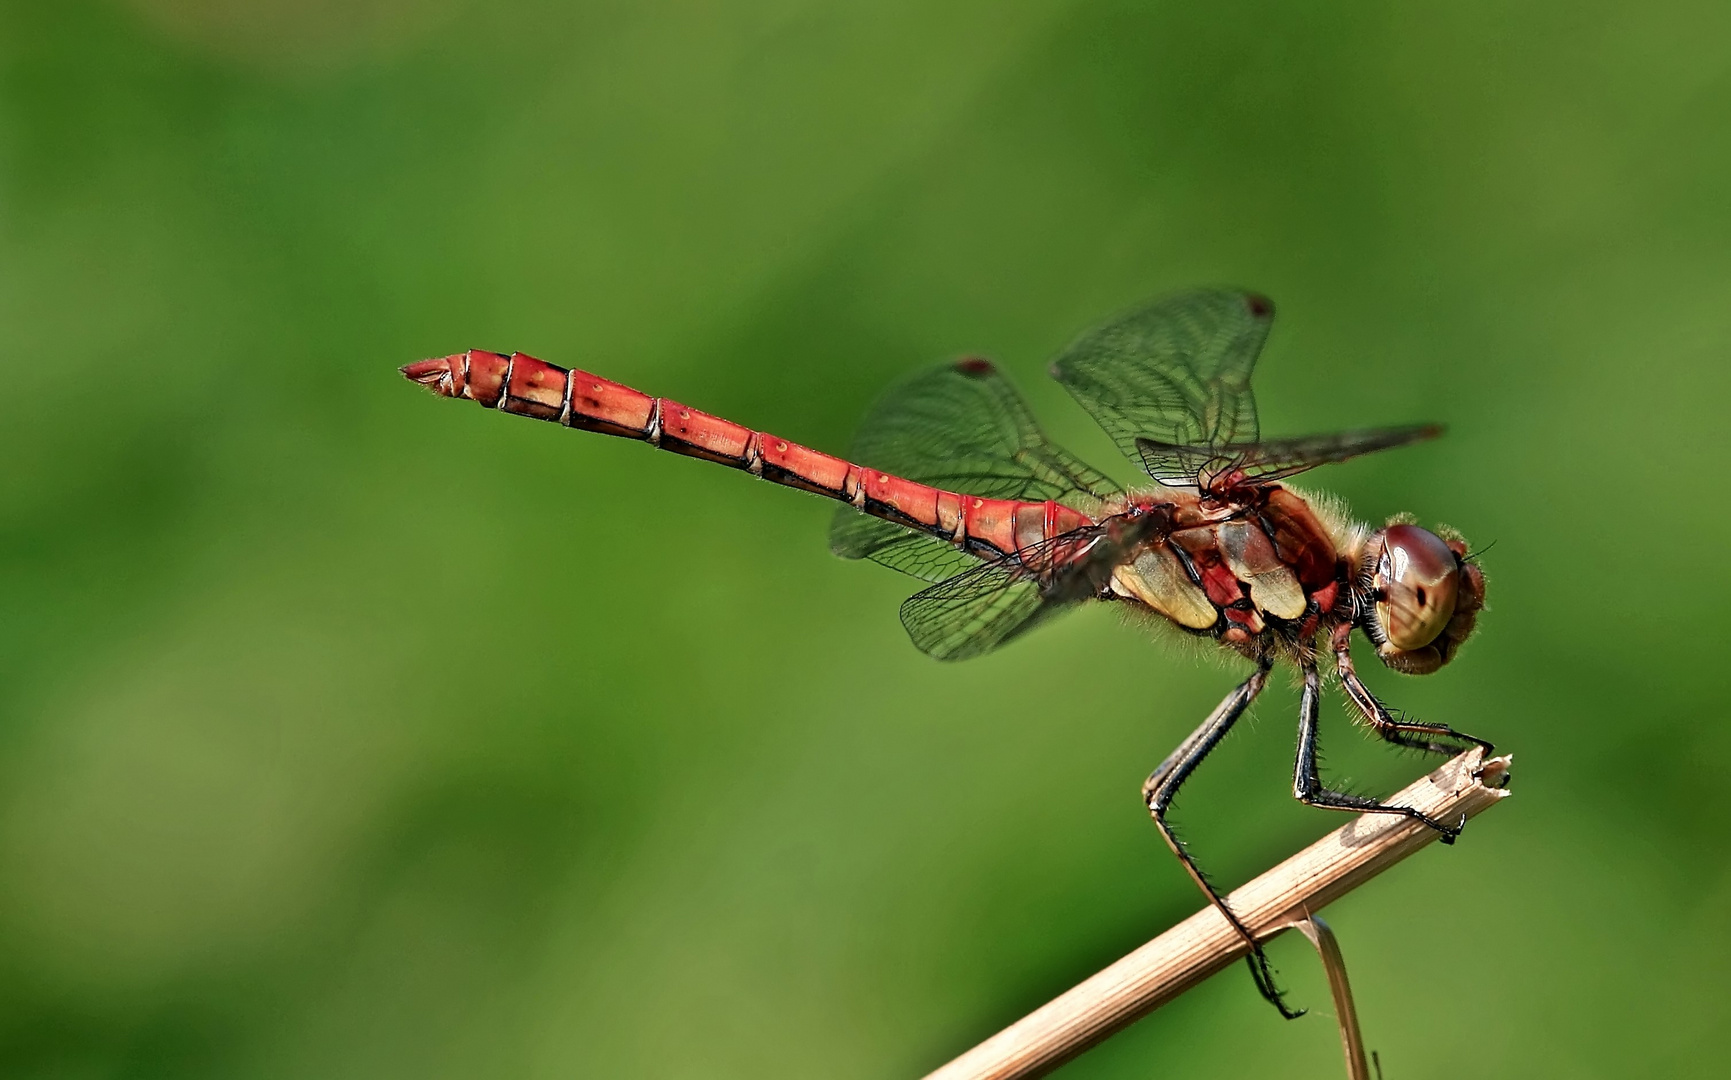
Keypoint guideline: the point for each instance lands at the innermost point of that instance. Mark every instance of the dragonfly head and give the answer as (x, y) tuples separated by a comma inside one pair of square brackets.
[(1426, 596)]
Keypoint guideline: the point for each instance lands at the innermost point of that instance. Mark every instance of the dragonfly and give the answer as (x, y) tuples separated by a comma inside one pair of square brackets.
[(952, 481)]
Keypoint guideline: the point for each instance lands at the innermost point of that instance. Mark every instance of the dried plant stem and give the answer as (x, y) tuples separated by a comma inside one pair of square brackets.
[(1204, 943), (1340, 989)]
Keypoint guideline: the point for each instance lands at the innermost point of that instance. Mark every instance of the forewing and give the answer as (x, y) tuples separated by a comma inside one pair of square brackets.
[(962, 428), (975, 612), (1279, 458), (1174, 373)]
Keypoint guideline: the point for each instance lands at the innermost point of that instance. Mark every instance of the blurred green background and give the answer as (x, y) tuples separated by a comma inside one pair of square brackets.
[(352, 733)]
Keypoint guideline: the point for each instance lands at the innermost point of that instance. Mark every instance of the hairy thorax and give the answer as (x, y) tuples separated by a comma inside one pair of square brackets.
[(1260, 576)]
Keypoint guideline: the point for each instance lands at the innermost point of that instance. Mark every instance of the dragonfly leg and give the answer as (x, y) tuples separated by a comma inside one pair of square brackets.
[(1307, 782), (1431, 738), (1162, 787)]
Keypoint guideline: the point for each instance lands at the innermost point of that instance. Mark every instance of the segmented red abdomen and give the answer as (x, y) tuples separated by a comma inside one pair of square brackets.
[(526, 386)]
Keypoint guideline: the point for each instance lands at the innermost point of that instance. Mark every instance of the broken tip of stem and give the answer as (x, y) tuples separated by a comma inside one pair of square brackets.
[(1494, 772)]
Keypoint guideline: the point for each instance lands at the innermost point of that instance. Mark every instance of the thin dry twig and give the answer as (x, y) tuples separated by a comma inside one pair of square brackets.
[(1321, 936), (1204, 943)]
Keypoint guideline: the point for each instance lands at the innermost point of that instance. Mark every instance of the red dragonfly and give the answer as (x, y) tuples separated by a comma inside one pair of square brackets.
[(958, 486)]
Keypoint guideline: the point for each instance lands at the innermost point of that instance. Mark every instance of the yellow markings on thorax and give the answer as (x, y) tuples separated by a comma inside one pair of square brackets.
[(1158, 579), (1251, 558)]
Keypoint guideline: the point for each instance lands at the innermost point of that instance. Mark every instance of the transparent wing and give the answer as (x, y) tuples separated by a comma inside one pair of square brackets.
[(962, 428), (854, 535), (1174, 373), (1280, 458), (976, 611)]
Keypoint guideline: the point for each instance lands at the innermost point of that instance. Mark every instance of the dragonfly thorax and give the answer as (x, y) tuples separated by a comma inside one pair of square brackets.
[(1252, 576)]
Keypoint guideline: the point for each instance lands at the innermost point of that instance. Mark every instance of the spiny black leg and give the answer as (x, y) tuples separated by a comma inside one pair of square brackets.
[(1431, 738), (1307, 784), (1162, 787)]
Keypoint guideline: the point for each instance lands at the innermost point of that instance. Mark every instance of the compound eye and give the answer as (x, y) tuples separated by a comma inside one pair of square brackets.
[(1417, 580)]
